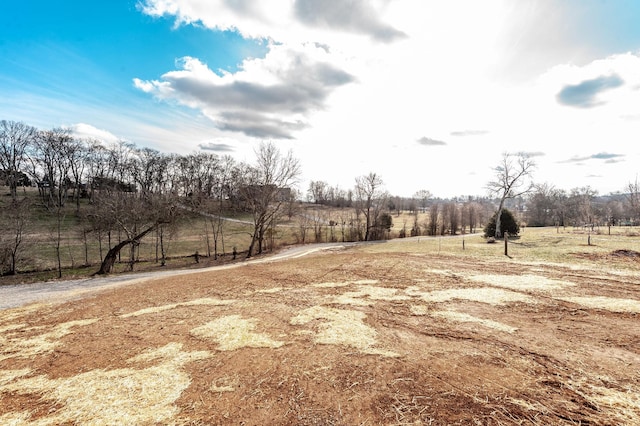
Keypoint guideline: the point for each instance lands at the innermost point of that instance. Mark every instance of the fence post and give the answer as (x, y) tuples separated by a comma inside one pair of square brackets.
[(506, 244)]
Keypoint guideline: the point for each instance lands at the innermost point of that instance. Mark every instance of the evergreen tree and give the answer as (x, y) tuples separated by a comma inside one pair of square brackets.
[(508, 224)]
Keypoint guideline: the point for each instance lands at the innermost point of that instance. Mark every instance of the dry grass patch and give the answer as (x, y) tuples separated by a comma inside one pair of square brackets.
[(492, 296), (607, 303), (343, 327), (15, 313), (15, 419), (624, 403), (13, 344), (120, 396), (156, 309), (233, 332), (344, 284), (373, 293), (271, 290), (521, 282), (419, 309), (462, 317), (7, 376)]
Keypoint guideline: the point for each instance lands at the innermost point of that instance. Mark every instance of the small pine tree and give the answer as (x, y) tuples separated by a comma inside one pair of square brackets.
[(508, 224)]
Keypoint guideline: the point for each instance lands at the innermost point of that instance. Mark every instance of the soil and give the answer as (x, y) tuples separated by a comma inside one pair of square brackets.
[(338, 337)]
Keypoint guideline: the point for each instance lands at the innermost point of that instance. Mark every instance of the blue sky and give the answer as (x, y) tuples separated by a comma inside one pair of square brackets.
[(427, 94)]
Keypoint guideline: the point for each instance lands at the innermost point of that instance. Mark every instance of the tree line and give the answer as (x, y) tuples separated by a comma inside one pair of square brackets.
[(120, 194)]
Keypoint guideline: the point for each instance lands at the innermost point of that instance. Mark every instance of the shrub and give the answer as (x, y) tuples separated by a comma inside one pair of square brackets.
[(507, 224)]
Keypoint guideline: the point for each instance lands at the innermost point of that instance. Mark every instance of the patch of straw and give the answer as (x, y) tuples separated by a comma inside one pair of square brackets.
[(370, 292), (492, 296), (7, 376), (15, 419), (624, 404), (11, 327), (419, 309), (343, 327), (233, 332), (462, 317), (271, 290), (156, 309), (522, 282), (21, 347), (15, 313), (121, 396), (606, 303), (344, 284)]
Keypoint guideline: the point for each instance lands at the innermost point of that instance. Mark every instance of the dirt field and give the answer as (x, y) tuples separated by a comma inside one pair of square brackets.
[(348, 337)]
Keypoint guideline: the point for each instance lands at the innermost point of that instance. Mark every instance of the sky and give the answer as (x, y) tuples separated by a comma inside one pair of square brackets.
[(426, 94)]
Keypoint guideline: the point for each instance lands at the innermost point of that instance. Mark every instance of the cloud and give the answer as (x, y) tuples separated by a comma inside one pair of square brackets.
[(532, 154), (284, 21), (469, 133), (87, 131), (425, 141), (270, 97), (583, 95), (216, 147), (357, 16), (609, 158)]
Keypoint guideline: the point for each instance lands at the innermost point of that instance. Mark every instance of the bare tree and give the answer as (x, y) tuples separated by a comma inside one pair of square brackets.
[(452, 215), (15, 138), (370, 200), (267, 189), (318, 191), (580, 207), (423, 197), (15, 218), (512, 179), (134, 216), (633, 199), (432, 225)]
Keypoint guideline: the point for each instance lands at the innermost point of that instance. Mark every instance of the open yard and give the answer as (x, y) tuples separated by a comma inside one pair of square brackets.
[(413, 331)]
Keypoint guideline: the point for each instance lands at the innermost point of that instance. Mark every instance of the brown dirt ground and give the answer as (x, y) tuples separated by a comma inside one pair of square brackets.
[(342, 338)]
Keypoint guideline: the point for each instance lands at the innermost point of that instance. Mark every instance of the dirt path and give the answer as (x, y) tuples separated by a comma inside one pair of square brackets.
[(15, 295), (343, 338)]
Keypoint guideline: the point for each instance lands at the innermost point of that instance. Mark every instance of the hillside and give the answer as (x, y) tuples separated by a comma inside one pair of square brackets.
[(384, 333)]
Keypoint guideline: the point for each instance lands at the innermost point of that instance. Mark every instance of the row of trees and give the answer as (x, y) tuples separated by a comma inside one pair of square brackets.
[(120, 193), (130, 192), (550, 206)]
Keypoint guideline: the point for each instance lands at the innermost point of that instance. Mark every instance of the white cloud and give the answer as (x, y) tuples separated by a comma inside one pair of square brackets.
[(268, 98), (87, 131)]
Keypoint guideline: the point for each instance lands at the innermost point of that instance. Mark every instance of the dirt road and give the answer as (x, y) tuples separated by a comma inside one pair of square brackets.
[(16, 295)]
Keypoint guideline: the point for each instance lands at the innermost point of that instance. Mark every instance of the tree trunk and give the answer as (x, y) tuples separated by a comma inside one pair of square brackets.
[(112, 254), (498, 233)]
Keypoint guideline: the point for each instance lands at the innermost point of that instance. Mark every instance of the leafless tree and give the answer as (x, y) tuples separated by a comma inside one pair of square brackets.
[(318, 191), (633, 199), (266, 190), (15, 219), (15, 138), (423, 197), (370, 200), (134, 216), (580, 206), (432, 225), (512, 179), (452, 214)]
